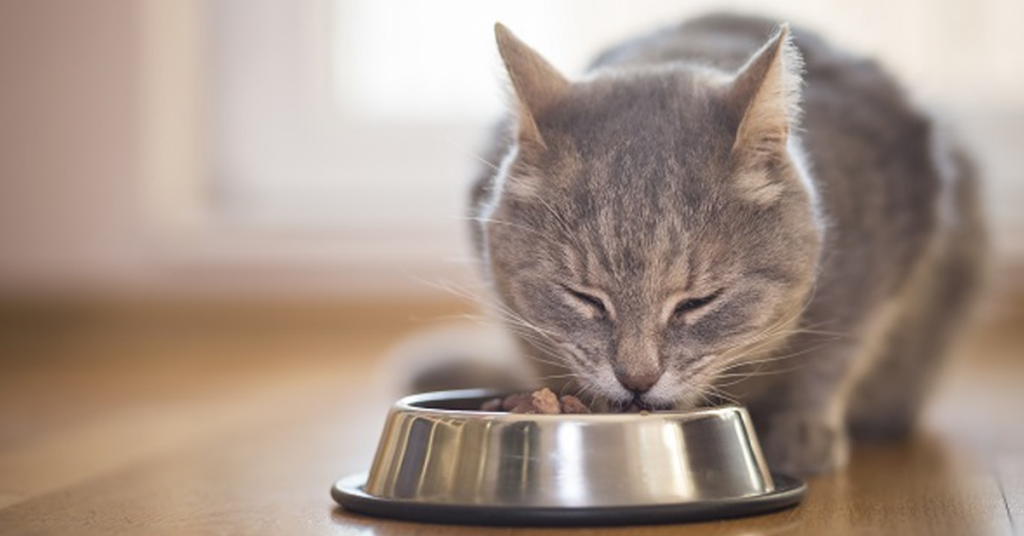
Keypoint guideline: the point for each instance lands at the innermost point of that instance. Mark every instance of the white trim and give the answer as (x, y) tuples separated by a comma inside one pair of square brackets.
[(797, 155)]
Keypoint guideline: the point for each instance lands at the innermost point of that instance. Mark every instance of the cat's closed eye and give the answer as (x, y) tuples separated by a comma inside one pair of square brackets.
[(690, 305), (595, 305)]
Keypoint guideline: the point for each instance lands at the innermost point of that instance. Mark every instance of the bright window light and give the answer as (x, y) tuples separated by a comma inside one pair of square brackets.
[(409, 60)]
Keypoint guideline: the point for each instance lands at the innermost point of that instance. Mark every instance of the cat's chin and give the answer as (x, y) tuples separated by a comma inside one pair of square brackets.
[(655, 406), (630, 406)]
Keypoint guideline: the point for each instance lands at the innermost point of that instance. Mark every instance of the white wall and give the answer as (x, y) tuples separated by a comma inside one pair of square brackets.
[(69, 142), (105, 185)]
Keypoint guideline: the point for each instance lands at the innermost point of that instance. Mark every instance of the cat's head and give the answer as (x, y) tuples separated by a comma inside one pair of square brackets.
[(651, 226)]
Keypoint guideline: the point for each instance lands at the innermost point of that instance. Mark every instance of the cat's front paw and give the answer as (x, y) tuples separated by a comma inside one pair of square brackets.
[(798, 443)]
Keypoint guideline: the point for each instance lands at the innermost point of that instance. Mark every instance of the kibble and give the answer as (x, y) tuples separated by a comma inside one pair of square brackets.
[(571, 404), (540, 402)]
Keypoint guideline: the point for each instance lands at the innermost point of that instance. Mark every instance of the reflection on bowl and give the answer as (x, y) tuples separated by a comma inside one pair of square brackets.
[(437, 450)]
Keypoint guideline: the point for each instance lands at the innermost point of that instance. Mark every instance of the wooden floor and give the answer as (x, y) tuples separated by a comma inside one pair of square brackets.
[(237, 419)]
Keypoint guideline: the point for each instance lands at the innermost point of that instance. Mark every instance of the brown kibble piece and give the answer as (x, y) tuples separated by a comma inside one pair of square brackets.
[(511, 402), (524, 407), (571, 404), (544, 401), (493, 404)]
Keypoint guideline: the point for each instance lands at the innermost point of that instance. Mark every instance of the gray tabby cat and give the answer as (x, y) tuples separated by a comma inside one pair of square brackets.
[(707, 213)]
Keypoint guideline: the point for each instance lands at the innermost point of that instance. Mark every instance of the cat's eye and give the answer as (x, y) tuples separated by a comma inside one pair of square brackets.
[(596, 304), (692, 304)]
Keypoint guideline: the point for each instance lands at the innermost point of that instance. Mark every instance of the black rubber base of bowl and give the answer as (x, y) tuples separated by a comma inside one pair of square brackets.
[(348, 492)]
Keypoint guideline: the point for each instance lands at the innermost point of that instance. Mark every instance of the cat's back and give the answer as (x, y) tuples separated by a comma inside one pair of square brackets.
[(840, 89), (726, 41)]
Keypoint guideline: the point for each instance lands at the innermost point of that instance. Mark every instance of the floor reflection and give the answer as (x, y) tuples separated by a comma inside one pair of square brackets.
[(899, 488), (907, 488)]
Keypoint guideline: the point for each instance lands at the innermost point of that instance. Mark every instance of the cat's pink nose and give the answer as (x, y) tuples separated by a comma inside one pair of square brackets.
[(638, 382)]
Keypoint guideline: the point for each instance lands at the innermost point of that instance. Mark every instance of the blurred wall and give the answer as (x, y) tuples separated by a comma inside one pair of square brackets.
[(101, 172), (105, 185), (69, 142)]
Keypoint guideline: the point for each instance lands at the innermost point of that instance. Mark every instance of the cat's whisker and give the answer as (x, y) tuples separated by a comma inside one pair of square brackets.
[(562, 223), (462, 260), (539, 345), (726, 367), (454, 289), (526, 228), (520, 321), (573, 375), (470, 153), (703, 394), (770, 340), (540, 339), (536, 337), (586, 389), (548, 362), (718, 393), (549, 349), (517, 320), (774, 332), (741, 354), (502, 310), (743, 376)]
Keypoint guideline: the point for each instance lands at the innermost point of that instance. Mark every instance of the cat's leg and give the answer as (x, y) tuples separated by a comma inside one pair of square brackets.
[(805, 418), (799, 393), (940, 298), (800, 418), (872, 382), (888, 401), (798, 434)]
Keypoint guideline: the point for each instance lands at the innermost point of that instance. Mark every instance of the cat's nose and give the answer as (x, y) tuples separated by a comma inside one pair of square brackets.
[(638, 382)]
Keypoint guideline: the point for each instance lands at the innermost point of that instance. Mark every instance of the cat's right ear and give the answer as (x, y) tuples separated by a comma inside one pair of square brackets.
[(536, 83), (764, 99)]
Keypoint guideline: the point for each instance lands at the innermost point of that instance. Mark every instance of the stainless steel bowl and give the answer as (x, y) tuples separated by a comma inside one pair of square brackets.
[(441, 460)]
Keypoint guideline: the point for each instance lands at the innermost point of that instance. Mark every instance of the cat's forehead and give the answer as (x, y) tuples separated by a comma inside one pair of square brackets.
[(642, 140), (643, 112)]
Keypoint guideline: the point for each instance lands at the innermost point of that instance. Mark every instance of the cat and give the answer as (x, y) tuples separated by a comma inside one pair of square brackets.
[(729, 209)]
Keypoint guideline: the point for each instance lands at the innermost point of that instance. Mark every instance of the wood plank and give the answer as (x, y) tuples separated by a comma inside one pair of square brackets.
[(1009, 469), (247, 434), (274, 476)]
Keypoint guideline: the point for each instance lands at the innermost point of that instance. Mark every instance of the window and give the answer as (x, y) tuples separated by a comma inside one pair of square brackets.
[(352, 124)]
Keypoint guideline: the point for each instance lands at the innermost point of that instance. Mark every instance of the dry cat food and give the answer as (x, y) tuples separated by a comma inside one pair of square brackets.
[(542, 401)]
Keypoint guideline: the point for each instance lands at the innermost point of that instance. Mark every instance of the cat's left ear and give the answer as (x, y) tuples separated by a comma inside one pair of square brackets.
[(537, 84), (764, 100)]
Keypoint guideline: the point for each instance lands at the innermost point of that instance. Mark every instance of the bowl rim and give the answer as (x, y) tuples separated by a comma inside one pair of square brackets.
[(412, 404), (350, 494)]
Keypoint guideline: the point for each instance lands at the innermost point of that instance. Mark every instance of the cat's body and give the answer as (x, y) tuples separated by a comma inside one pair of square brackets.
[(812, 268)]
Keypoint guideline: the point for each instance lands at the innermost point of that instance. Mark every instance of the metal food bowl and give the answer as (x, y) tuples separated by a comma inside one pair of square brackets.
[(442, 460)]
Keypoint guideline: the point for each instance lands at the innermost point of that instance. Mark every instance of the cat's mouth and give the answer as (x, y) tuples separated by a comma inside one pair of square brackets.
[(634, 405), (647, 405)]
